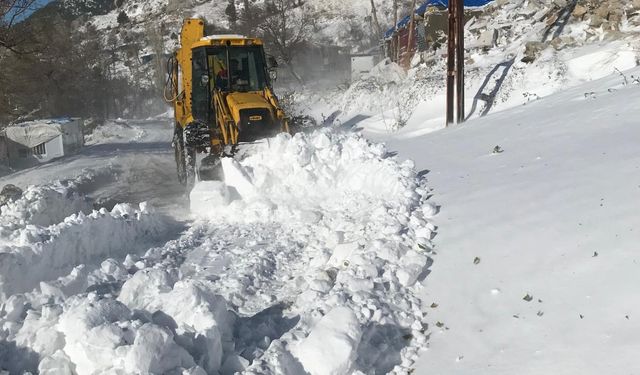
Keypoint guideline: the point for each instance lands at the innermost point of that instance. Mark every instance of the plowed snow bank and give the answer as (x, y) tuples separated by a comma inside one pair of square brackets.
[(46, 253), (355, 231)]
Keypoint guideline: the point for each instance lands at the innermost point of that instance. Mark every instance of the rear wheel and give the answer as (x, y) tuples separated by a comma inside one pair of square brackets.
[(185, 157)]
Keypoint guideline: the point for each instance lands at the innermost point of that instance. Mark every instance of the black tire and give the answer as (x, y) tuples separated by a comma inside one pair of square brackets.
[(185, 159)]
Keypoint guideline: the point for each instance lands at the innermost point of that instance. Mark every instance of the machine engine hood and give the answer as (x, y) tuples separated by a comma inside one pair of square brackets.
[(247, 100)]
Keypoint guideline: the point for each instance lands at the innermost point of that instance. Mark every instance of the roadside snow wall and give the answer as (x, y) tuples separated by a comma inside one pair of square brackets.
[(45, 253)]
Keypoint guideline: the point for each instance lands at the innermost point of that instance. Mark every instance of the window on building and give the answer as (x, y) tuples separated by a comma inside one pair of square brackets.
[(39, 149)]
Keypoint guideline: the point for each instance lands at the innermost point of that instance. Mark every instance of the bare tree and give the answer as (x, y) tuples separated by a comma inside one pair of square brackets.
[(12, 12), (288, 30), (378, 30)]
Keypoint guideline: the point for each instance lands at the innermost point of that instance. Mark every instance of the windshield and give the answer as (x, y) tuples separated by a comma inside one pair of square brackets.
[(237, 68)]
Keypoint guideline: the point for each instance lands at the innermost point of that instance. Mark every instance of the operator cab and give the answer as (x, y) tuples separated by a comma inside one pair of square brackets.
[(229, 63), (236, 67)]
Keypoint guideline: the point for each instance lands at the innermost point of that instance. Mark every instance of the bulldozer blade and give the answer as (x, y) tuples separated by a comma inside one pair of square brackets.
[(210, 169), (233, 183)]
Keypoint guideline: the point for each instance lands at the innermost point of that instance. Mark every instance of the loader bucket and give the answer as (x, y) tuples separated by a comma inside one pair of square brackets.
[(236, 183)]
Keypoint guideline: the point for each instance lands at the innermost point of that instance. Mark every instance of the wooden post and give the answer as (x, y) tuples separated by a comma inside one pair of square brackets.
[(451, 60), (411, 27), (396, 35), (460, 59)]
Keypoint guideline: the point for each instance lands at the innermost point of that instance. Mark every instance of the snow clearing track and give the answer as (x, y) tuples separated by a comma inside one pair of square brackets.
[(308, 260)]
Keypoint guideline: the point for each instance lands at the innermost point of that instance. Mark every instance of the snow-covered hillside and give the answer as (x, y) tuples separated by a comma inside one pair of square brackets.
[(537, 268)]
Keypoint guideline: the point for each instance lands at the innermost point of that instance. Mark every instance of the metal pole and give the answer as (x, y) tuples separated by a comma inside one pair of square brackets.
[(451, 60), (460, 59)]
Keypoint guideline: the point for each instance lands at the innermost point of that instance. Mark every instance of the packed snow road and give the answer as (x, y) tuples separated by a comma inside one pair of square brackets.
[(310, 260), (122, 162)]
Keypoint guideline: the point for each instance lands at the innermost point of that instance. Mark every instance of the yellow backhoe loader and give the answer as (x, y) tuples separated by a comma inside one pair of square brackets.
[(220, 87)]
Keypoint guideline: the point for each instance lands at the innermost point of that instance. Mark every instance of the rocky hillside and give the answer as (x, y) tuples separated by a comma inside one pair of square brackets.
[(137, 31), (118, 48), (517, 51), (106, 58)]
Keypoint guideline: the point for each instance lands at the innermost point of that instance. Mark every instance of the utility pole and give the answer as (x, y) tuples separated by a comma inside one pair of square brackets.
[(396, 36), (460, 58), (374, 13), (412, 25), (451, 60), (455, 61)]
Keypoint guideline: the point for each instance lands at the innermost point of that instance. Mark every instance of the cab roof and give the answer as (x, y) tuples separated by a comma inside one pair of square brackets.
[(227, 39)]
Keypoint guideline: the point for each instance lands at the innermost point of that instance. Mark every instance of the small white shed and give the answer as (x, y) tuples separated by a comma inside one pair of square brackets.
[(44, 140)]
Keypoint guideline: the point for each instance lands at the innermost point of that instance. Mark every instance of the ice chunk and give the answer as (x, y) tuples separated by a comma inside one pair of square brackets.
[(342, 253), (330, 348), (56, 364), (154, 351)]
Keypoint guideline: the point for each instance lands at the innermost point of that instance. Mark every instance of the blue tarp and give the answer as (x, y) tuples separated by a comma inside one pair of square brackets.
[(423, 8)]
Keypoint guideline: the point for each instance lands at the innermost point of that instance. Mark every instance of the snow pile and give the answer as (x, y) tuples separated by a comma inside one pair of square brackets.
[(351, 229), (49, 324), (41, 205), (115, 132), (92, 334), (301, 177), (334, 338), (156, 325), (316, 239), (45, 253)]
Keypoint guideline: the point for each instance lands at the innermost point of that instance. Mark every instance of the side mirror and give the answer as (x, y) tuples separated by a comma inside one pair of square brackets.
[(204, 80), (273, 63), (273, 74)]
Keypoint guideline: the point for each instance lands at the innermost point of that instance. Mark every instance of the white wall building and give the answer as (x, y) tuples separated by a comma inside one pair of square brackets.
[(43, 140), (362, 64)]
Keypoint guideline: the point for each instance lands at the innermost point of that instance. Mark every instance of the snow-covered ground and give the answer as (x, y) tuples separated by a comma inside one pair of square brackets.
[(536, 266), (121, 162), (319, 255)]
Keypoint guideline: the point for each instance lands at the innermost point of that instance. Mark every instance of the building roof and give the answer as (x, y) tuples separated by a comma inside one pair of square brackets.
[(32, 133)]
